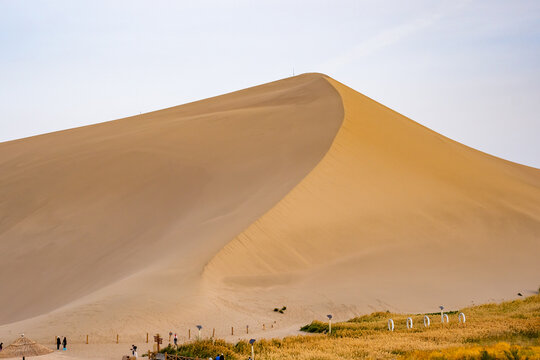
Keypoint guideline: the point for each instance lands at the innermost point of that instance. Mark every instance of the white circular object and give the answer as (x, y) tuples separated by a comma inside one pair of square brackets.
[(461, 317), (445, 317), (391, 325), (409, 323), (427, 322)]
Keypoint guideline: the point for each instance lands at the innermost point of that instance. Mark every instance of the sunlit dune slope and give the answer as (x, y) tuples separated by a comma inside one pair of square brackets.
[(395, 216), (82, 209)]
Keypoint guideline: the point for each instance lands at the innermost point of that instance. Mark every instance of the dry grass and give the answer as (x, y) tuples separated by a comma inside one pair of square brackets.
[(510, 330)]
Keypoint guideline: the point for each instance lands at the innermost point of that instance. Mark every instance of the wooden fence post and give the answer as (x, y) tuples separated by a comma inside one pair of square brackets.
[(232, 330), (147, 338), (264, 328), (87, 339), (189, 334), (247, 329), (213, 332), (117, 338)]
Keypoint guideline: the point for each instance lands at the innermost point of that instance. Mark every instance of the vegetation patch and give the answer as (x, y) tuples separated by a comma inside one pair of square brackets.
[(509, 330)]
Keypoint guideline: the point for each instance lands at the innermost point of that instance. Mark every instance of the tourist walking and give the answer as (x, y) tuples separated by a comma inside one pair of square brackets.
[(58, 342), (1, 345), (134, 350), (175, 340), (64, 344)]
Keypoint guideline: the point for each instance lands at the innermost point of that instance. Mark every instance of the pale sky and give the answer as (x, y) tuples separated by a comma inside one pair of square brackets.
[(467, 69)]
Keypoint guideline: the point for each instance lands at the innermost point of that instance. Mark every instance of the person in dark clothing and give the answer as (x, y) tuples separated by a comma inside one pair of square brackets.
[(1, 345), (58, 342), (64, 343)]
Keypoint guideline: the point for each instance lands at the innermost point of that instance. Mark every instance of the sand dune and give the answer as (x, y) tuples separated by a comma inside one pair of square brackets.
[(395, 217), (300, 192), (86, 208)]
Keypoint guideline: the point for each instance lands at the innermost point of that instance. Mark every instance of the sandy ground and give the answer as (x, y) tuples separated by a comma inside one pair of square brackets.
[(300, 193), (114, 351), (91, 351)]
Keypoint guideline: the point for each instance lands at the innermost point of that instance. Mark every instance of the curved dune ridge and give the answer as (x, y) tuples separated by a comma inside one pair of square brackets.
[(300, 192)]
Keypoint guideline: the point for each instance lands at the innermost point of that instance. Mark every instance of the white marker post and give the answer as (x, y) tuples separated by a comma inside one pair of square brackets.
[(426, 321), (409, 323), (391, 325), (442, 313), (329, 323), (252, 341), (199, 327)]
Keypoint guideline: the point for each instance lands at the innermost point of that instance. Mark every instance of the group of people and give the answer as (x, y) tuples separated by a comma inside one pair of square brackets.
[(63, 343)]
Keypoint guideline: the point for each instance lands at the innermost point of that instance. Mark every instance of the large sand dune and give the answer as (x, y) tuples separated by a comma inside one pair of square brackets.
[(300, 192)]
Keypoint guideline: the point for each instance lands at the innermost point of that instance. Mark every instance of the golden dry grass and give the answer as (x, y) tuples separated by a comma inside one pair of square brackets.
[(509, 330)]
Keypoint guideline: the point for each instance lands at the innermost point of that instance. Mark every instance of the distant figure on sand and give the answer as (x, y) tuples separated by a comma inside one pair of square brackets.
[(64, 343), (175, 340), (1, 345), (58, 342)]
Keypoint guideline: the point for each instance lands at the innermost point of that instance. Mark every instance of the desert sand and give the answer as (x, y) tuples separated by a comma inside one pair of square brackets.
[(300, 192)]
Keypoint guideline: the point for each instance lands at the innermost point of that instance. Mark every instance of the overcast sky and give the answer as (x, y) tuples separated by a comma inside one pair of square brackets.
[(467, 69)]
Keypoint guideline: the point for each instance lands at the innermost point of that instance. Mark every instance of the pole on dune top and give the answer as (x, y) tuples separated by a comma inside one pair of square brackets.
[(329, 323), (442, 313)]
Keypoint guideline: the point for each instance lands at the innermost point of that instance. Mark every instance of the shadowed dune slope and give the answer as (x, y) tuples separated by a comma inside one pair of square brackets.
[(83, 209), (396, 217)]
